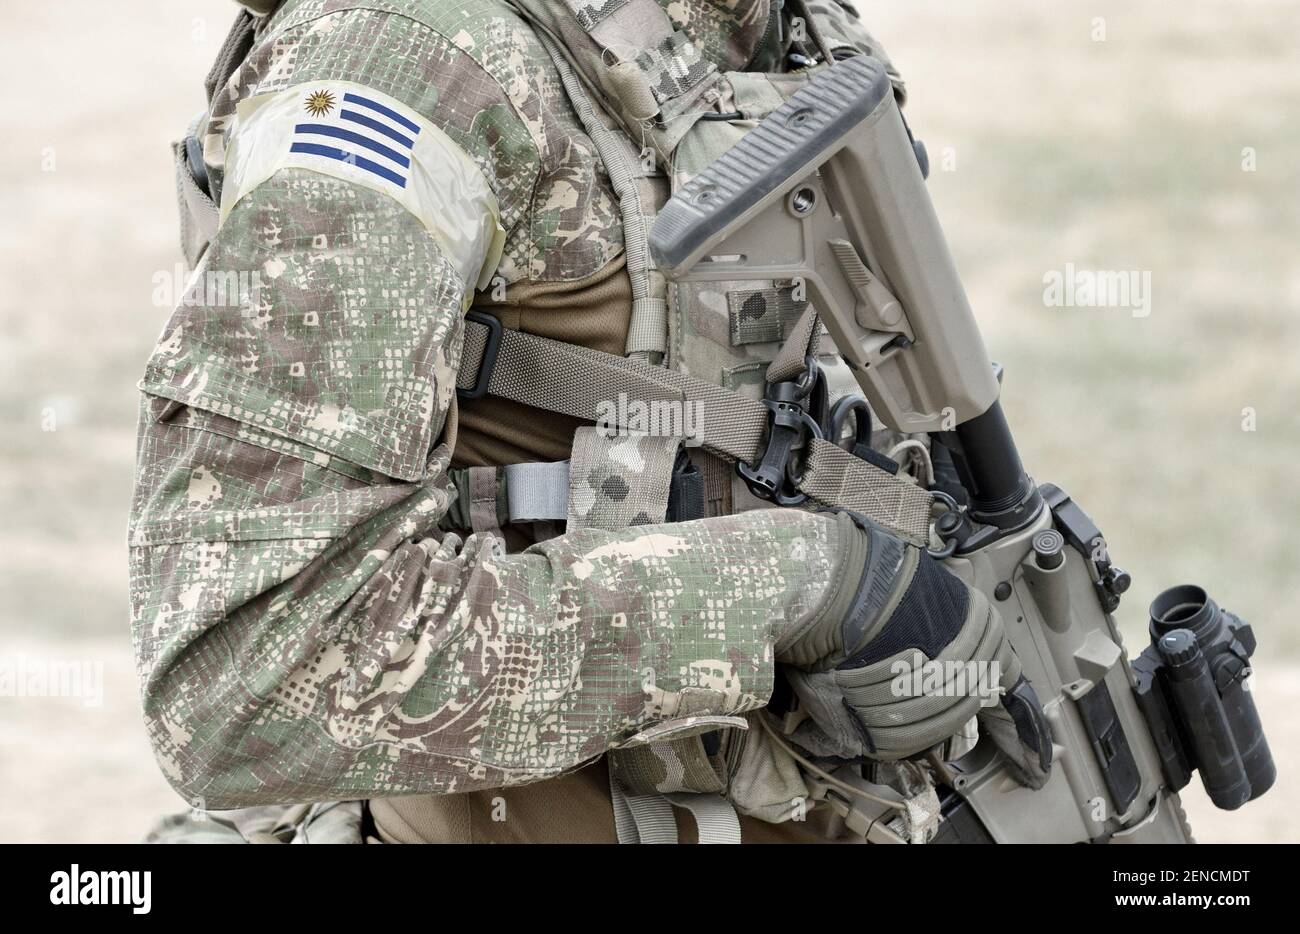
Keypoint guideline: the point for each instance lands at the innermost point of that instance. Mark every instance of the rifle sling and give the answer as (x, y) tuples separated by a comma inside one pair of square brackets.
[(575, 381)]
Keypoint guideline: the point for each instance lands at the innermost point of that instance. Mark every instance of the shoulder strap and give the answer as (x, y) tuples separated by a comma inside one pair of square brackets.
[(238, 43), (648, 329), (260, 7)]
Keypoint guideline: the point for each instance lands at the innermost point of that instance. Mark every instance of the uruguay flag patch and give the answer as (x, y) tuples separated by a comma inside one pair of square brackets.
[(366, 137), (358, 130)]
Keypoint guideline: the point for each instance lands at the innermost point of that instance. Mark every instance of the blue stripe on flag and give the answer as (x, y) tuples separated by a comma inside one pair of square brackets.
[(321, 129), (377, 127), (381, 109), (329, 152)]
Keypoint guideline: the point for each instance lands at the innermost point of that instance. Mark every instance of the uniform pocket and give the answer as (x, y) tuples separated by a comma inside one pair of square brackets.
[(201, 477)]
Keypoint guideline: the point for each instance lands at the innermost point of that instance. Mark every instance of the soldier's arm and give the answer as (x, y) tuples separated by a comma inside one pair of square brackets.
[(302, 629)]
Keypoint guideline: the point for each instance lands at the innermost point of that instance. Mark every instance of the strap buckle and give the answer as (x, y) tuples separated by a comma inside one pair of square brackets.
[(489, 360), (789, 428)]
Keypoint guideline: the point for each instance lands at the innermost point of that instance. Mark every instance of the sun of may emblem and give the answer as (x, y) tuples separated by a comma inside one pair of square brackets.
[(320, 103)]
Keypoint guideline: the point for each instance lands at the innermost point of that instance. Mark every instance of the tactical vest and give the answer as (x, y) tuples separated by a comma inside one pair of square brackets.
[(727, 363)]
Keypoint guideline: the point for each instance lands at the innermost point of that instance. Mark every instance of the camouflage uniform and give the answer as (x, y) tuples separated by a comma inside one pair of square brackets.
[(307, 625), (303, 629)]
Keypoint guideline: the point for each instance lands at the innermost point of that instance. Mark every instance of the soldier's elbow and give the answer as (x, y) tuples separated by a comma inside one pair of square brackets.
[(200, 743)]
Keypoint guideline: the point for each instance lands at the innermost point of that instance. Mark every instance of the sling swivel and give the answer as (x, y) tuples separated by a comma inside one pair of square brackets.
[(789, 429)]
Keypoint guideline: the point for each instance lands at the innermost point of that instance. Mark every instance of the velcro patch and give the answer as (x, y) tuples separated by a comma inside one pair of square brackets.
[(761, 316)]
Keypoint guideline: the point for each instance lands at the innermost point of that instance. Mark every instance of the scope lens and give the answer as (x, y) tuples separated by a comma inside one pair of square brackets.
[(1178, 606)]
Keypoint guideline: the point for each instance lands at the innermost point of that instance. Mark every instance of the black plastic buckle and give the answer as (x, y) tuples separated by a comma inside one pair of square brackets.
[(489, 361), (789, 426)]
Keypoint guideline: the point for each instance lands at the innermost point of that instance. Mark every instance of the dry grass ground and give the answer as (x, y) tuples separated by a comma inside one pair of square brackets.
[(1121, 154)]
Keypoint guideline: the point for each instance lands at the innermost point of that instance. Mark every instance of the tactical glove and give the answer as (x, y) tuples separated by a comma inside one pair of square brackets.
[(901, 661)]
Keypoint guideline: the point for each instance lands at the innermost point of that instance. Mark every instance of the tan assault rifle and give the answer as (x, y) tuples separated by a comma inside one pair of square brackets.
[(827, 192)]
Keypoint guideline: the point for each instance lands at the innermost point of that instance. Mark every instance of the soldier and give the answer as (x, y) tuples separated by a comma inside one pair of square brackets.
[(334, 594)]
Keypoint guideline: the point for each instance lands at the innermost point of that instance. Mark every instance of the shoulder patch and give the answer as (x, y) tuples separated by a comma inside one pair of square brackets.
[(365, 137)]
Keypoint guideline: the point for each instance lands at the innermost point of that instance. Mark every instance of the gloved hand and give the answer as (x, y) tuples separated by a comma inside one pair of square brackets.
[(899, 660)]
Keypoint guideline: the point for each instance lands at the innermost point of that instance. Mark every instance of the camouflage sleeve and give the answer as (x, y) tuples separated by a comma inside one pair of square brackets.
[(303, 631)]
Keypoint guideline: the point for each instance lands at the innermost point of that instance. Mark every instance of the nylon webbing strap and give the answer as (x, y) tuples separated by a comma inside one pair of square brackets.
[(642, 819), (484, 498), (648, 328), (538, 492), (790, 359), (649, 818), (583, 383), (235, 48), (715, 818)]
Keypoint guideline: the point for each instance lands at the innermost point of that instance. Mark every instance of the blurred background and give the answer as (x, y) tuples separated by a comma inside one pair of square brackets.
[(1129, 136)]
